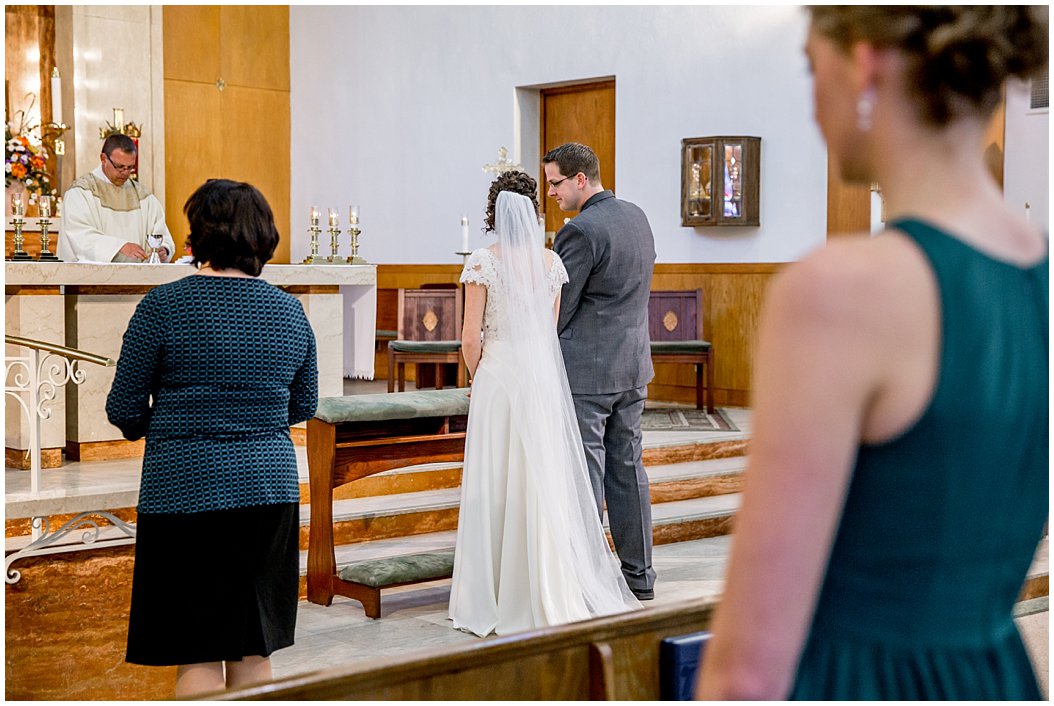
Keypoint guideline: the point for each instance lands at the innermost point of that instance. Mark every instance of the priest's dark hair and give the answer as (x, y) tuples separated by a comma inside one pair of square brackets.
[(118, 142), (231, 226)]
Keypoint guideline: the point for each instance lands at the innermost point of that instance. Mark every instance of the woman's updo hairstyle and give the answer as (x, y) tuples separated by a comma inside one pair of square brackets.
[(958, 56), (517, 183)]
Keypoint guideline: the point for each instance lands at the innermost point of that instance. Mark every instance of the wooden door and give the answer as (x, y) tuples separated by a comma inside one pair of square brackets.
[(584, 113), (237, 129)]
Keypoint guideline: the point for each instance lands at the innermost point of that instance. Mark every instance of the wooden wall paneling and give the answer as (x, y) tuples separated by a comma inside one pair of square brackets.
[(248, 29), (255, 139), (848, 205), (582, 113), (191, 36), (192, 147), (732, 299), (413, 276)]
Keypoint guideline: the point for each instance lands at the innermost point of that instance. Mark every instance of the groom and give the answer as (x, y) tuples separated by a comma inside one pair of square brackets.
[(609, 254)]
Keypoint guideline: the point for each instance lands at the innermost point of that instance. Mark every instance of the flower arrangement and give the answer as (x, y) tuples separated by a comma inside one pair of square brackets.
[(25, 160)]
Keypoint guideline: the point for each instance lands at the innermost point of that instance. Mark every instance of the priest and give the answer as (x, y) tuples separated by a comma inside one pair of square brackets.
[(107, 215)]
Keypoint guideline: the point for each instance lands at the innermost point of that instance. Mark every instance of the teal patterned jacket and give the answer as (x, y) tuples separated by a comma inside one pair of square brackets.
[(213, 371)]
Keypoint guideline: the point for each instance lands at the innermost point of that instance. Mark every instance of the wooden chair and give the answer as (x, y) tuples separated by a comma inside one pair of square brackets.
[(675, 324), (429, 334)]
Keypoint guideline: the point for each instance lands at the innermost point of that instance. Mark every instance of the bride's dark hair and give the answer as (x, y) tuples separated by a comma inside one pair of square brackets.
[(517, 183)]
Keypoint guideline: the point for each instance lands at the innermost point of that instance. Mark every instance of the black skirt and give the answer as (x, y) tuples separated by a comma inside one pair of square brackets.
[(214, 586)]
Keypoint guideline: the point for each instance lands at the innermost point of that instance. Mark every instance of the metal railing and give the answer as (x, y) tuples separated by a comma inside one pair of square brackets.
[(33, 381)]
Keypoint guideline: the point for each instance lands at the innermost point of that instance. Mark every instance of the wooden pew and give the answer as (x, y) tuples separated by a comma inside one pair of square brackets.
[(359, 435), (615, 657)]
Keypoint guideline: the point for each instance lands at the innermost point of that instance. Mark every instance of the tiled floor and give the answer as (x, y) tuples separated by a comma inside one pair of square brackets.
[(414, 618)]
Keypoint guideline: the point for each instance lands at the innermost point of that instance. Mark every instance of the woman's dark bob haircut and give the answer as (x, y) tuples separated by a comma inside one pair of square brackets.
[(231, 226)]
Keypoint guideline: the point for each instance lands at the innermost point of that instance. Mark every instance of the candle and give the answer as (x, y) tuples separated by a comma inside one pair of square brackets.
[(314, 216), (18, 206), (56, 96), (45, 206), (332, 218), (118, 119), (353, 215), (464, 234)]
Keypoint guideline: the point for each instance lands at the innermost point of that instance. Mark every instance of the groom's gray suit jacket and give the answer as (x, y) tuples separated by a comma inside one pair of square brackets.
[(609, 253)]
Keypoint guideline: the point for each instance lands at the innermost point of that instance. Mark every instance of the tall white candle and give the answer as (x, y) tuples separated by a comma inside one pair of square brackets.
[(464, 234), (56, 96), (45, 206), (333, 218), (314, 216), (353, 215), (118, 119)]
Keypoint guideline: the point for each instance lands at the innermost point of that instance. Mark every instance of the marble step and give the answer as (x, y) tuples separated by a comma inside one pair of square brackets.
[(435, 476), (674, 521), (387, 516)]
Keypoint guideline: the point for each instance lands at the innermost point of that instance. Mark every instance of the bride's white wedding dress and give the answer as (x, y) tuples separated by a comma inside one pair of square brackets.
[(531, 551)]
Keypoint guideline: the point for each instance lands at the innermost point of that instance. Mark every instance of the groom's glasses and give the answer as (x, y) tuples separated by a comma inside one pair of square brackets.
[(555, 184)]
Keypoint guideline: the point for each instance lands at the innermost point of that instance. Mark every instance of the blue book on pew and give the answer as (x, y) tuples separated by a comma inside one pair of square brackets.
[(678, 662)]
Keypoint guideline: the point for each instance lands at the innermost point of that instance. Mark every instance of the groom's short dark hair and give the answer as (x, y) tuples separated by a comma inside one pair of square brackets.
[(573, 158)]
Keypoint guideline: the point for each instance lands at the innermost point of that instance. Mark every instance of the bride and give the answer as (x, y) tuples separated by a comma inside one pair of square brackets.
[(531, 551)]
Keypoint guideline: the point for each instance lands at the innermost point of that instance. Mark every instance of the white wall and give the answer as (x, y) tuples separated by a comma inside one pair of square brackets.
[(397, 109), (1026, 166)]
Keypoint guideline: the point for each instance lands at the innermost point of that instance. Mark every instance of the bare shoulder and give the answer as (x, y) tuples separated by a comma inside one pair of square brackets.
[(853, 280)]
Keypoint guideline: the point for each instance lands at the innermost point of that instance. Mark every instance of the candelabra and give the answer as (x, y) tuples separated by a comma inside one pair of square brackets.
[(45, 222), (354, 230), (18, 207), (314, 258)]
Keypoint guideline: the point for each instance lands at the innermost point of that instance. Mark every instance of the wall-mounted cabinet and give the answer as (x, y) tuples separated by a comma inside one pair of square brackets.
[(720, 184)]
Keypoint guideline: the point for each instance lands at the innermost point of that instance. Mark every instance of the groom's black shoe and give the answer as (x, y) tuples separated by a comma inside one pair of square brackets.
[(644, 594)]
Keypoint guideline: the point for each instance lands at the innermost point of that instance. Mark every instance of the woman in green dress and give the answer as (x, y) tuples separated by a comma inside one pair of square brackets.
[(898, 477)]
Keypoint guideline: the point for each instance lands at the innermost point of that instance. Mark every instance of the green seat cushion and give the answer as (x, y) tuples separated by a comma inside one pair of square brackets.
[(680, 346), (387, 333), (400, 569), (393, 405), (425, 346)]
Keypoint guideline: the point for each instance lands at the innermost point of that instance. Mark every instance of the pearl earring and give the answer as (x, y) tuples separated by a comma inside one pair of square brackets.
[(865, 106)]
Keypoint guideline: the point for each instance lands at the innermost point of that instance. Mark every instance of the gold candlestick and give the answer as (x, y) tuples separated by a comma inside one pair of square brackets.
[(355, 259), (354, 230), (314, 258), (18, 210), (45, 222), (333, 243)]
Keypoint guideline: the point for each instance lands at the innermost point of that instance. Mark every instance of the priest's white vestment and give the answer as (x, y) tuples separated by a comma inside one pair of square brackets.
[(98, 218)]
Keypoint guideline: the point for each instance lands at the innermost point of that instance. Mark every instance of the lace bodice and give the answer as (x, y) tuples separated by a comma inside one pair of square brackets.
[(482, 268)]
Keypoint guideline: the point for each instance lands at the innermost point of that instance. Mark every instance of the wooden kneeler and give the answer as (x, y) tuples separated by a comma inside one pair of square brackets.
[(357, 436)]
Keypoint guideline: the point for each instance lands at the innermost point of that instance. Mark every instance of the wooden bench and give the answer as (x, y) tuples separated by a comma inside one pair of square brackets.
[(357, 436), (615, 658)]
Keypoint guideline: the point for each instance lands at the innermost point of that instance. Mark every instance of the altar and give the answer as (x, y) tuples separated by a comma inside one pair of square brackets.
[(87, 306)]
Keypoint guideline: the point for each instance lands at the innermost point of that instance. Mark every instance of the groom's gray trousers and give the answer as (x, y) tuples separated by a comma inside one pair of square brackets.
[(610, 427)]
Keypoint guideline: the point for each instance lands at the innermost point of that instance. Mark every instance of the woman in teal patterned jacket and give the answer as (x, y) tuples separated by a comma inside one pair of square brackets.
[(213, 370)]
